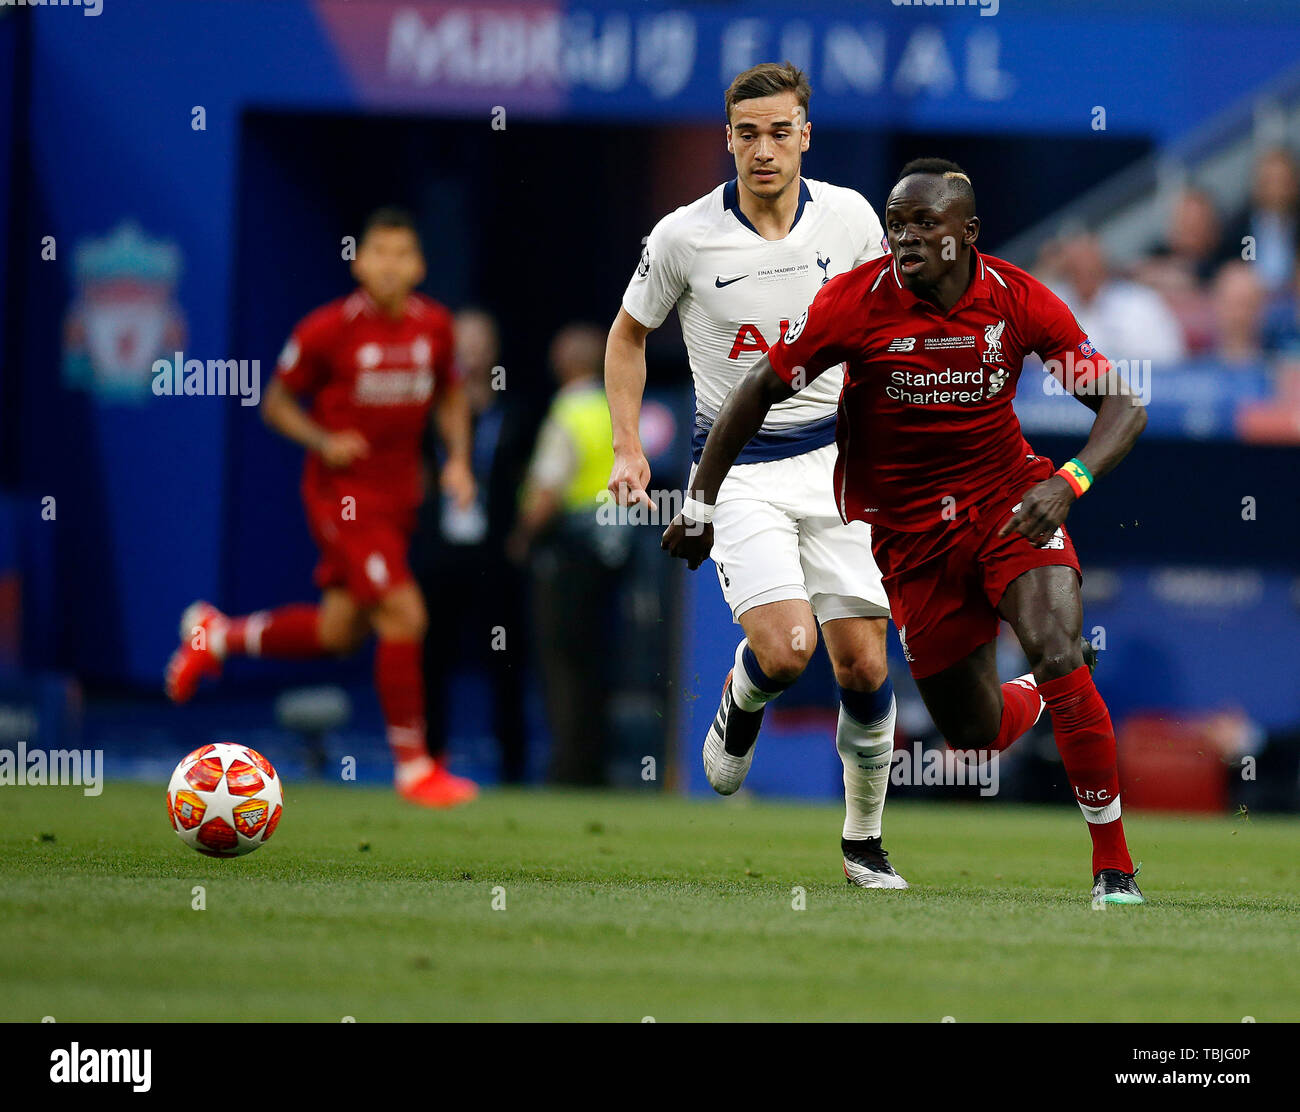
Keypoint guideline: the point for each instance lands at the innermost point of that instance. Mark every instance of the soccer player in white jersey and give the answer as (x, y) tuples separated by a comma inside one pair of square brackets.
[(739, 265)]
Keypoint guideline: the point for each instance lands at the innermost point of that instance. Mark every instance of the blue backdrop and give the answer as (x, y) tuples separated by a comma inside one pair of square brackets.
[(146, 115)]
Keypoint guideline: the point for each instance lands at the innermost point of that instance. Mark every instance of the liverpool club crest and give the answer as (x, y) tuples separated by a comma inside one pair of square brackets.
[(993, 342), (125, 315)]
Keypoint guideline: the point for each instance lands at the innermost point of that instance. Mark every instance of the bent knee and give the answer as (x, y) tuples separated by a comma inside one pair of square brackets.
[(783, 663), (862, 673), (341, 638), (337, 628), (417, 624), (1057, 661), (401, 621), (971, 734), (783, 653)]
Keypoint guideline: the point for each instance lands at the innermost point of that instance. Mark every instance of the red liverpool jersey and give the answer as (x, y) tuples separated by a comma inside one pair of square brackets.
[(379, 375), (926, 429)]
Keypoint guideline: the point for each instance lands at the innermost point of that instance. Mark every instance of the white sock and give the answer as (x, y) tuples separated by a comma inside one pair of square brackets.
[(747, 694), (1102, 815), (255, 626), (216, 633), (868, 754), (411, 761)]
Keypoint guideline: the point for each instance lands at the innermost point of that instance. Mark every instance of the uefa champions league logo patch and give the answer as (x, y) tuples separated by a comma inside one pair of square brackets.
[(792, 333)]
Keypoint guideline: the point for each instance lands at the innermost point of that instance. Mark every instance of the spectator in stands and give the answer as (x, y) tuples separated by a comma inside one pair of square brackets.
[(1194, 236), (476, 595), (1282, 324), (576, 556), (1123, 319), (1274, 784), (1240, 301), (1270, 229), (1180, 269)]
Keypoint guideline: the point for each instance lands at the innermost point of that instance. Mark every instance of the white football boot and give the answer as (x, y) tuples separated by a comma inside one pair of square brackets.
[(866, 865), (726, 771)]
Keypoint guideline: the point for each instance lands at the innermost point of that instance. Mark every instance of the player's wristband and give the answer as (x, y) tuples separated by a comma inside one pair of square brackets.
[(1078, 476), (699, 512)]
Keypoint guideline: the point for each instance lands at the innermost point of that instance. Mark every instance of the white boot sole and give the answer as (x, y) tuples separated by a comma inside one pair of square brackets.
[(861, 877), (726, 773)]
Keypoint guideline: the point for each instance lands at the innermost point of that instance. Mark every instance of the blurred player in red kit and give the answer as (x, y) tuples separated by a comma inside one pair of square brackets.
[(966, 521), (369, 368)]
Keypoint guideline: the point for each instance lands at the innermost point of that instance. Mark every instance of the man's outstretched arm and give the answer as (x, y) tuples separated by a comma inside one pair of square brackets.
[(690, 536)]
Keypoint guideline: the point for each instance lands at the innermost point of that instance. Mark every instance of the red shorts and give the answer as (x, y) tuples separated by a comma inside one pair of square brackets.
[(944, 585), (365, 555)]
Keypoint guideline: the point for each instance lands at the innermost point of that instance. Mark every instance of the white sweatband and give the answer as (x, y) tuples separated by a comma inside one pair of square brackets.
[(699, 512)]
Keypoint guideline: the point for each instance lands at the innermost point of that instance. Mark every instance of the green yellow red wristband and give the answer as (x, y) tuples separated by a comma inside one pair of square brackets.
[(1078, 476)]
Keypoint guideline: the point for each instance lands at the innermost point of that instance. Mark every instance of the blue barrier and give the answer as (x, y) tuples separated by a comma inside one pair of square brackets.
[(1195, 402)]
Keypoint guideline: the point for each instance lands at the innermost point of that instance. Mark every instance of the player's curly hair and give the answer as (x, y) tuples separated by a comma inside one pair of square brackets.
[(767, 79)]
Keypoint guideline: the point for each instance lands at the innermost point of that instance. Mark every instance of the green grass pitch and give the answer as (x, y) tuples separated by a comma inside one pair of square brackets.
[(623, 906)]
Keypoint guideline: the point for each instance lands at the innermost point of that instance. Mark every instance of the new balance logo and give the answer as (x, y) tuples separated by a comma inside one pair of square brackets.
[(904, 343), (720, 281)]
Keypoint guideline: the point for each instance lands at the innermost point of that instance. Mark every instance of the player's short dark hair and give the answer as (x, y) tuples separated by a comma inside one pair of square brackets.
[(390, 216), (767, 79), (957, 179)]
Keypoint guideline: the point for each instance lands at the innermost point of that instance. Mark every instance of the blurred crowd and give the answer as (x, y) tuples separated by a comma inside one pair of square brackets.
[(1219, 290)]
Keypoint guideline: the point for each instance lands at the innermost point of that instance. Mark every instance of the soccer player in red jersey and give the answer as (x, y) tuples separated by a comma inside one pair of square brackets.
[(374, 365), (967, 522)]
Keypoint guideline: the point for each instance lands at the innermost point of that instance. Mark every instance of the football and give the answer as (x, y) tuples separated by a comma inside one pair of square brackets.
[(224, 800)]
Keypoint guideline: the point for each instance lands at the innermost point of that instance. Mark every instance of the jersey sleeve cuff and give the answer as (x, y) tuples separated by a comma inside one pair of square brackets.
[(1077, 372), (643, 318)]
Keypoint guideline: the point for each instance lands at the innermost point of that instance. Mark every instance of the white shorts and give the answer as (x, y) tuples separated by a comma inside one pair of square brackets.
[(777, 535)]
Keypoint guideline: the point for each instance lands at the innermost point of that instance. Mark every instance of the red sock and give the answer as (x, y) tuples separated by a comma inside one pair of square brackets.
[(1021, 706), (1086, 741), (289, 632), (399, 679)]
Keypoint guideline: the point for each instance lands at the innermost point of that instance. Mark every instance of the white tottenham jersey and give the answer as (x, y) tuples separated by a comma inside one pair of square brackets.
[(736, 293)]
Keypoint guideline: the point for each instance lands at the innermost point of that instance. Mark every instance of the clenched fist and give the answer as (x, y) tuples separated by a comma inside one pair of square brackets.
[(689, 540)]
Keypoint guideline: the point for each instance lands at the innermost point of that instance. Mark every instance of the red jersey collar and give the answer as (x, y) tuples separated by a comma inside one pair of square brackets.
[(370, 308), (980, 288)]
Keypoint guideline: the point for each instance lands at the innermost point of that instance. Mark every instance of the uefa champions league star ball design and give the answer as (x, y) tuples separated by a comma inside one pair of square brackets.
[(224, 800)]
